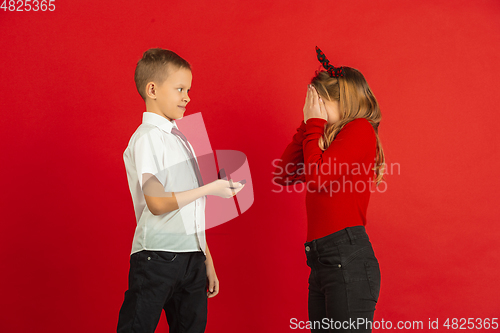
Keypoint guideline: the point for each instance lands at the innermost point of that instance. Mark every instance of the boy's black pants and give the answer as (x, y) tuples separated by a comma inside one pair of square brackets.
[(173, 282)]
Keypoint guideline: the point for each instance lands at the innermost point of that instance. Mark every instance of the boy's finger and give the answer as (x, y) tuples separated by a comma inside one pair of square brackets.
[(232, 187), (236, 185), (213, 290), (216, 287), (239, 189)]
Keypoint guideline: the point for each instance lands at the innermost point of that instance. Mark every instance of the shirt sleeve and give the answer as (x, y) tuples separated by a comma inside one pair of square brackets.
[(346, 152), (289, 168), (149, 156)]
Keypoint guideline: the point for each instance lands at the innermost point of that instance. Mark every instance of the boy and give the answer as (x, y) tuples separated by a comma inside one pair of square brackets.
[(170, 264)]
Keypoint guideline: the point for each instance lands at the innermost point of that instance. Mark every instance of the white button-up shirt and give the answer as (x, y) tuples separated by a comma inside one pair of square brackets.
[(155, 150)]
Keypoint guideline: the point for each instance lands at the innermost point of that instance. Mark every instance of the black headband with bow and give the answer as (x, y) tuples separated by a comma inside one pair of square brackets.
[(333, 71)]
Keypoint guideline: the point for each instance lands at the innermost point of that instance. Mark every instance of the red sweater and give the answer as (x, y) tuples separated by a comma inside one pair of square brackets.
[(337, 181)]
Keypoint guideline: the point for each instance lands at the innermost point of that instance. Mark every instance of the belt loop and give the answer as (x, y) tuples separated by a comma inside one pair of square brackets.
[(351, 236)]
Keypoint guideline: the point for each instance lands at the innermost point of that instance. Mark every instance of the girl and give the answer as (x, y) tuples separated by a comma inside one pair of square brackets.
[(337, 153)]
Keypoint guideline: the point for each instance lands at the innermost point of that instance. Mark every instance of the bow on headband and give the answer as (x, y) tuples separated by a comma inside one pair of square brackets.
[(333, 71)]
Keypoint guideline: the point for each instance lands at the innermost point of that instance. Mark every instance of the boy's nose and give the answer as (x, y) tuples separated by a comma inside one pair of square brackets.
[(186, 98)]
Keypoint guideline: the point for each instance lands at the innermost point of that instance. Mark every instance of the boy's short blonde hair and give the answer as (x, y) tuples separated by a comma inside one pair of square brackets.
[(154, 66)]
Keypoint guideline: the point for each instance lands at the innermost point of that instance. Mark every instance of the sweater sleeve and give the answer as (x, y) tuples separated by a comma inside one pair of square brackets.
[(290, 167), (344, 156)]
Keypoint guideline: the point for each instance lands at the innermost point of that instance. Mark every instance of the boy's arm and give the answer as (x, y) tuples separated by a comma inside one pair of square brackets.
[(161, 202), (212, 280)]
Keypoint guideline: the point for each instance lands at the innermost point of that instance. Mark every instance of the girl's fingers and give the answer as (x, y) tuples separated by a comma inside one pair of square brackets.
[(322, 108), (314, 95), (317, 94)]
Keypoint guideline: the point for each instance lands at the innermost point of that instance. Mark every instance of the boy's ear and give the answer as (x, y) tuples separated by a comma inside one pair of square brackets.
[(151, 90)]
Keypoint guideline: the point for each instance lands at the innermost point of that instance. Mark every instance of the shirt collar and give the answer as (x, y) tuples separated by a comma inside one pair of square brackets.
[(158, 121)]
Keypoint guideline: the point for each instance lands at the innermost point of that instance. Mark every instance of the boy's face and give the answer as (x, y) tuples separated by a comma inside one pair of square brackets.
[(172, 95)]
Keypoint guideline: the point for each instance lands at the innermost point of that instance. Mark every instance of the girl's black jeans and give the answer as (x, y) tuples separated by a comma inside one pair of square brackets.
[(344, 283)]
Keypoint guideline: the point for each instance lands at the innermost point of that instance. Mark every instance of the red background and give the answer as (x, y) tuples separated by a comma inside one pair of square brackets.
[(69, 107)]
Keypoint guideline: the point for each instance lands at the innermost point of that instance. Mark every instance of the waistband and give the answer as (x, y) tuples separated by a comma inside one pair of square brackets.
[(350, 234)]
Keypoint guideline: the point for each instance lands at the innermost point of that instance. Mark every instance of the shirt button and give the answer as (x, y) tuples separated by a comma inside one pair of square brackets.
[(308, 248), (149, 258)]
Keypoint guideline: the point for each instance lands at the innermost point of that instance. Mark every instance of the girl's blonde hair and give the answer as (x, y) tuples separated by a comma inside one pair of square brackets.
[(356, 100)]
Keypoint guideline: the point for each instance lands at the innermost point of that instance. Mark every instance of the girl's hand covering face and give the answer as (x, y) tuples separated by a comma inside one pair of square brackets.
[(314, 107)]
